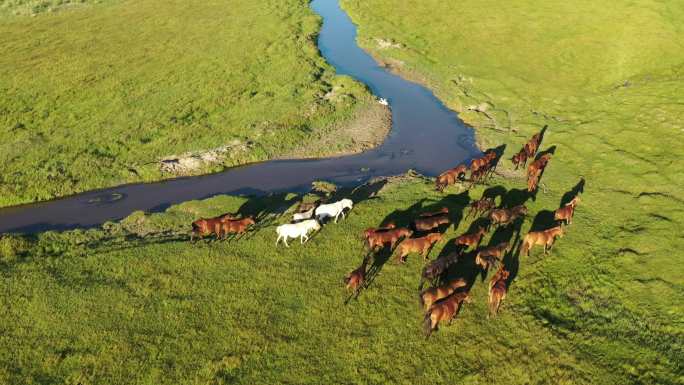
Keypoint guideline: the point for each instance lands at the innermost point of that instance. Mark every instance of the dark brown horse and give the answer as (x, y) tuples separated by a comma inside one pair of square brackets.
[(520, 159), (507, 216), (480, 206), (441, 211), (489, 256), (484, 161), (436, 268)]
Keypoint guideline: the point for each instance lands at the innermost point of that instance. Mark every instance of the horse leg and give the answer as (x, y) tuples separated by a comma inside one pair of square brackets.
[(278, 240)]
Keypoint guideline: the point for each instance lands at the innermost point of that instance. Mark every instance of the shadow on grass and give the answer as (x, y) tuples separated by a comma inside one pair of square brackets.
[(575, 191)]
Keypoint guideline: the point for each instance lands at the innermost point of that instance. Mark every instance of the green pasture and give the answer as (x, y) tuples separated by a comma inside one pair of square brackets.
[(96, 94)]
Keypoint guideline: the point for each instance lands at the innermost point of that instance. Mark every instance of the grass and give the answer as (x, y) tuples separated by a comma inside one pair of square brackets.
[(97, 95), (136, 302)]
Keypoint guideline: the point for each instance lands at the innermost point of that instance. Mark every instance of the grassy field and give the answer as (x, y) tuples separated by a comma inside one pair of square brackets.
[(97, 94), (136, 302)]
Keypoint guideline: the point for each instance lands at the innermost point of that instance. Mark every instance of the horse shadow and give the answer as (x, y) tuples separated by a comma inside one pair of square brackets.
[(544, 220), (551, 150), (495, 192), (515, 197), (499, 151), (575, 191)]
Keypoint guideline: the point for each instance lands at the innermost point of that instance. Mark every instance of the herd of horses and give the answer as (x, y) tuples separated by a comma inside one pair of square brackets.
[(443, 300)]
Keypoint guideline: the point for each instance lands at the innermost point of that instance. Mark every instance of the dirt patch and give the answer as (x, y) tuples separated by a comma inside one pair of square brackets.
[(367, 129), (191, 162)]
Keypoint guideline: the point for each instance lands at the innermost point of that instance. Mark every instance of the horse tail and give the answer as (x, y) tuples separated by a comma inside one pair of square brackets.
[(525, 246), (494, 301), (421, 299)]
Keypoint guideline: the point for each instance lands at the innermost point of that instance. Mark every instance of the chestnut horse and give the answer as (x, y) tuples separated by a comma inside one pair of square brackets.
[(390, 237), (421, 245), (565, 213), (429, 223), (507, 216), (234, 226), (484, 161), (206, 226), (545, 238), (450, 177), (356, 278), (519, 159), (372, 230), (431, 295), (538, 165), (497, 290), (444, 310), (472, 239), (441, 211)]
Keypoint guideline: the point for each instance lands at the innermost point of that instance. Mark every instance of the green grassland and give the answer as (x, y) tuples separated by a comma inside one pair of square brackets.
[(136, 302), (96, 95)]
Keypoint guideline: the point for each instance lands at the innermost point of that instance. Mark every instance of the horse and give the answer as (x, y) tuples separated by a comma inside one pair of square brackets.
[(206, 226), (533, 181), (355, 279), (450, 177), (488, 256), (390, 236), (235, 226), (565, 213), (421, 245), (480, 206), (483, 161), (507, 216), (429, 223), (436, 268), (444, 310), (371, 230), (497, 290), (538, 165), (545, 238), (431, 295), (296, 230), (520, 159), (468, 240), (333, 210)]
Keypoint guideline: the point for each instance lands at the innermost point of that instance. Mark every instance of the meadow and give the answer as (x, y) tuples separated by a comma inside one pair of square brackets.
[(97, 94), (136, 302)]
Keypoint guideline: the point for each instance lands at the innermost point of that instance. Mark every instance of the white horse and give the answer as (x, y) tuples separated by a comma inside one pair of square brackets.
[(305, 215), (333, 210), (296, 230)]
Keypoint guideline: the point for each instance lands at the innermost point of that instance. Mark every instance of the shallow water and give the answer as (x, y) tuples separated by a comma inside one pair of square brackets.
[(425, 136)]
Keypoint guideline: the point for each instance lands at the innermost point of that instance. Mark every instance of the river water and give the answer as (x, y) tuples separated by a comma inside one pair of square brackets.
[(425, 136)]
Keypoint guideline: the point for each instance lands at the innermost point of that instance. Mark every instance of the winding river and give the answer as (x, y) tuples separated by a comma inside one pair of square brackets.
[(425, 136)]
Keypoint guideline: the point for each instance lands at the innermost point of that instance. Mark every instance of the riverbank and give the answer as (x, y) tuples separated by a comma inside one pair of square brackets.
[(89, 102), (610, 100)]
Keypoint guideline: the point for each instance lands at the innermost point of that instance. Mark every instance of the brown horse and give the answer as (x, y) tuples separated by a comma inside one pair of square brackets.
[(434, 294), (441, 211), (507, 216), (480, 206), (472, 239), (450, 177), (483, 161), (372, 230), (444, 310), (429, 223), (497, 290), (565, 213), (390, 237), (488, 256), (538, 165), (206, 226), (545, 238), (421, 245), (355, 279), (436, 268), (520, 159), (533, 181), (234, 226)]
